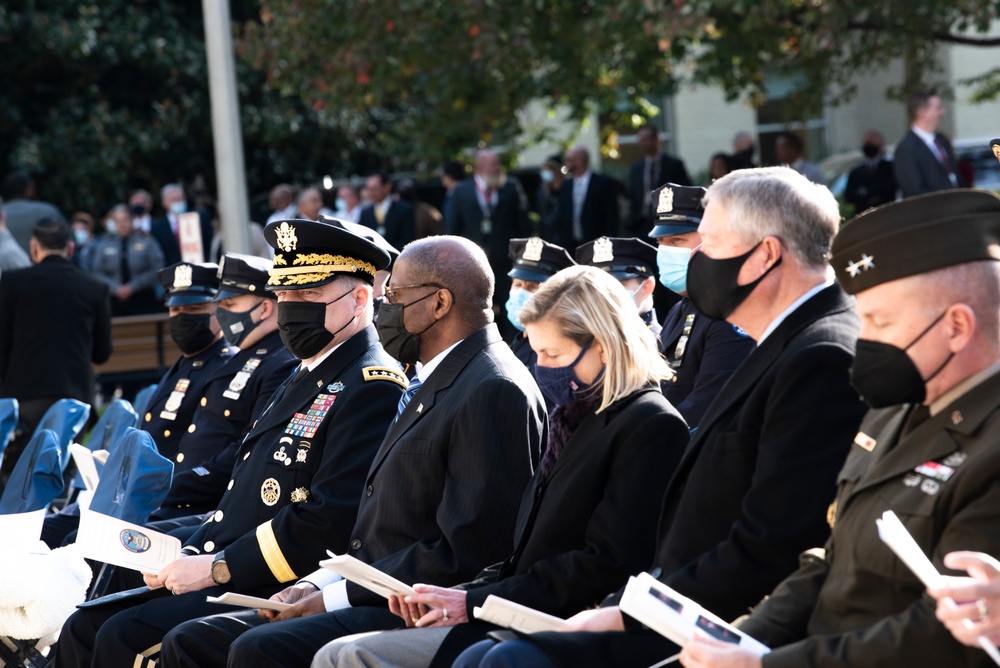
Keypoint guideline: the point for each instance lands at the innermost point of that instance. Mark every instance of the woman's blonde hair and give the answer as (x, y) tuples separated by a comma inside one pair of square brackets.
[(587, 304)]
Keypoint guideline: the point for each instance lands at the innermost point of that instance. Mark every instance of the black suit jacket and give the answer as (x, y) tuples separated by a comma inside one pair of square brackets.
[(509, 218), (440, 500), (599, 216), (398, 222), (918, 170), (164, 235), (752, 489), (870, 188), (55, 322), (711, 352), (671, 170)]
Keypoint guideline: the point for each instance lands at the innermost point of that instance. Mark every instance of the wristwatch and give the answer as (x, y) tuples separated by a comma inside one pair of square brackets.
[(220, 569)]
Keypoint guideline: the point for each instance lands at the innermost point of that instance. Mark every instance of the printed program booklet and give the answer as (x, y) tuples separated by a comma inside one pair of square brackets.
[(511, 615), (366, 576), (119, 543)]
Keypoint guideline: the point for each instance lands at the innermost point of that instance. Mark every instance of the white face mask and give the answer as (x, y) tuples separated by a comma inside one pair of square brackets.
[(109, 225)]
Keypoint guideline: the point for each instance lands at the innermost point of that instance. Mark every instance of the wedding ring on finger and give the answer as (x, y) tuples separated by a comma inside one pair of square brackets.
[(444, 614), (984, 611)]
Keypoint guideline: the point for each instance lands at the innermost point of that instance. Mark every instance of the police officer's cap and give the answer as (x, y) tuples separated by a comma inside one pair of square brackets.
[(917, 235), (536, 259), (621, 257), (678, 209), (187, 283), (312, 253), (366, 232), (242, 275)]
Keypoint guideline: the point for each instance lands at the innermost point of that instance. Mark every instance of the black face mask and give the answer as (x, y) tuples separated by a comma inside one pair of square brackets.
[(192, 332), (712, 286), (870, 150), (137, 210), (393, 334), (302, 326), (236, 325), (886, 376)]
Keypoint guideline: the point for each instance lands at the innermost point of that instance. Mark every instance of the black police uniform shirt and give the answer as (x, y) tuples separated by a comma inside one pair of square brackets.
[(233, 395), (172, 406), (300, 471), (703, 353)]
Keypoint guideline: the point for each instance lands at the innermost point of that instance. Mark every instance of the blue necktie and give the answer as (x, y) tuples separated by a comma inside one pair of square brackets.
[(407, 396)]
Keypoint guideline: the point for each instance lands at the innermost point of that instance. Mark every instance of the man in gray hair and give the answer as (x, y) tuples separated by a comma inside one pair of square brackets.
[(166, 230)]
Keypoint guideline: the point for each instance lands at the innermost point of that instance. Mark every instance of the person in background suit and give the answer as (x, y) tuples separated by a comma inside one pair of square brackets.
[(633, 263), (752, 489), (427, 221), (55, 322), (281, 201), (551, 179), (872, 183), (452, 173), (127, 262), (703, 352), (23, 209), (300, 469), (165, 230), (924, 159), (490, 209), (433, 507), (645, 175), (789, 148), (83, 240), (927, 281), (348, 203), (743, 151), (582, 528), (391, 218), (588, 202), (140, 205), (535, 261)]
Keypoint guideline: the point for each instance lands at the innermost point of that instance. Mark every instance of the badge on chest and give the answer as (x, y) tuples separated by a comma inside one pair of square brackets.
[(169, 411), (239, 381)]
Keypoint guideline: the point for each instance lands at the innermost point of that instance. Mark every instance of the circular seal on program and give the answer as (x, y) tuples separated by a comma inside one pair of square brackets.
[(270, 492), (135, 541)]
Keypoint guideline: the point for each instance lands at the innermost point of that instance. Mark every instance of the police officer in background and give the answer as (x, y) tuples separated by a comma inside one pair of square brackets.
[(926, 274), (300, 470), (703, 352), (535, 261), (190, 293), (235, 393), (633, 263)]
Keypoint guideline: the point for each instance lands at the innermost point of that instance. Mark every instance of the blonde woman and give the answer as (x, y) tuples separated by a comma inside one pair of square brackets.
[(588, 518)]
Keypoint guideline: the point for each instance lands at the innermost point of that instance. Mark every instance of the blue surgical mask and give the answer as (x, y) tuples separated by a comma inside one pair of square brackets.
[(109, 226), (340, 204), (559, 384), (515, 302), (177, 208), (81, 237), (547, 176), (672, 263)]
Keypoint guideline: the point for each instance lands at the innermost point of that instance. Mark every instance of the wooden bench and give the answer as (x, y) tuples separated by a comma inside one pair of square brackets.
[(141, 347)]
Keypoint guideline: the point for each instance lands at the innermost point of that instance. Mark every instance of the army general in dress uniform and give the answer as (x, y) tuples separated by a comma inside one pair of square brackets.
[(702, 351), (234, 393), (926, 272), (299, 472)]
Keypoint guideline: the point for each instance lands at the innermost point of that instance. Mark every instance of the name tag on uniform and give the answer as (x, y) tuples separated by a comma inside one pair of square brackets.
[(169, 411)]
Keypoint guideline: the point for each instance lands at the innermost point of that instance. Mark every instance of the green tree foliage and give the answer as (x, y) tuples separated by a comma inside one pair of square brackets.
[(102, 97)]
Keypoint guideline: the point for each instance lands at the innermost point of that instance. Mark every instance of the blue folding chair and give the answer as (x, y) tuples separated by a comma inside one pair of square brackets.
[(142, 398), (37, 477), (8, 420), (135, 482), (117, 418), (66, 417)]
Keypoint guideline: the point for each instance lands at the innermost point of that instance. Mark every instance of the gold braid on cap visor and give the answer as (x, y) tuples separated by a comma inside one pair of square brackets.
[(318, 266)]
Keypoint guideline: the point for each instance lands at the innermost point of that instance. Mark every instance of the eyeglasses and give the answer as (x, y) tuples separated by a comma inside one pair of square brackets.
[(391, 294)]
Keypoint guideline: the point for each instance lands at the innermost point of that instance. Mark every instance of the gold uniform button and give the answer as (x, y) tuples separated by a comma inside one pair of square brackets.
[(226, 412), (218, 516), (204, 401), (180, 457), (166, 433), (230, 485), (246, 456), (149, 416), (209, 546)]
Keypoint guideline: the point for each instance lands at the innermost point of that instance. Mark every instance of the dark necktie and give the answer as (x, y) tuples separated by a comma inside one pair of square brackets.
[(126, 273), (942, 155)]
